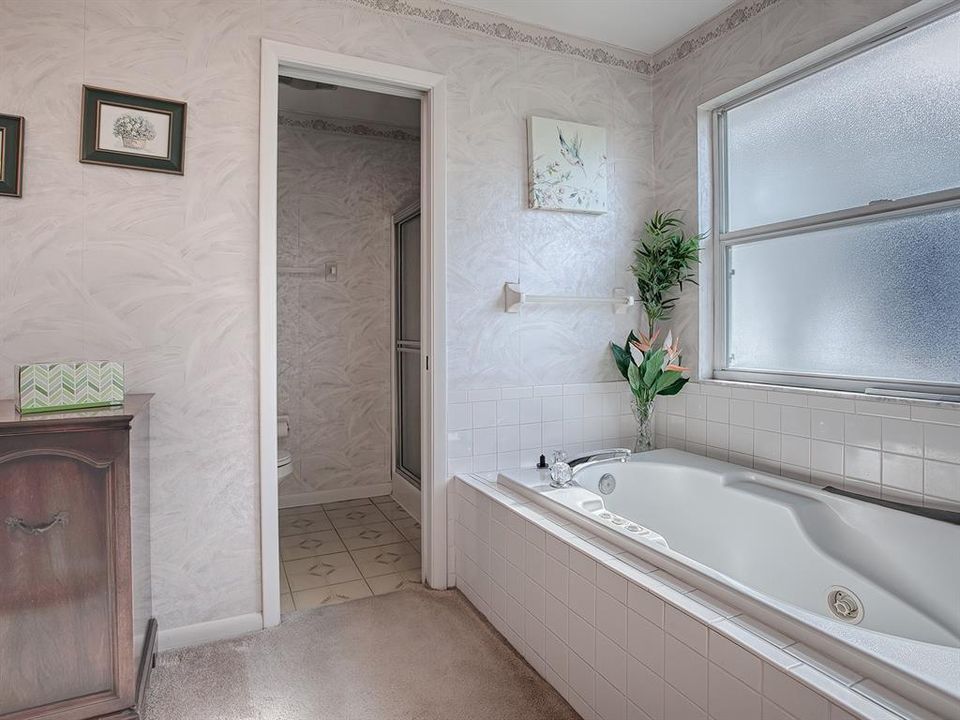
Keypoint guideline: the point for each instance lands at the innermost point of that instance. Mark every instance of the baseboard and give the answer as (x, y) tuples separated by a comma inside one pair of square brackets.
[(335, 495), (408, 496), (199, 633)]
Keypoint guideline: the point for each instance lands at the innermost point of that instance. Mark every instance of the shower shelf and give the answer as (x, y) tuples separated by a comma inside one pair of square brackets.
[(514, 297)]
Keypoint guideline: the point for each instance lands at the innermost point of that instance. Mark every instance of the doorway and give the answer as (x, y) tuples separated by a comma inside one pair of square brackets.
[(323, 68)]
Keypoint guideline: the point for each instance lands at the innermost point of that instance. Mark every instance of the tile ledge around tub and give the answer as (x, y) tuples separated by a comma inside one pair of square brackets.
[(712, 613), (825, 393)]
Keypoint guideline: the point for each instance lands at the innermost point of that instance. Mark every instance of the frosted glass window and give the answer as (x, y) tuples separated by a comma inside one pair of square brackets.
[(881, 125), (878, 299)]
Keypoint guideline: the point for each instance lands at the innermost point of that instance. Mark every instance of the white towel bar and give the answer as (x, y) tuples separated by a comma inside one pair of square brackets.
[(514, 297)]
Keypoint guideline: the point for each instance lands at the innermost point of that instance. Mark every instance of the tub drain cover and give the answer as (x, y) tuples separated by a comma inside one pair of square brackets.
[(844, 604)]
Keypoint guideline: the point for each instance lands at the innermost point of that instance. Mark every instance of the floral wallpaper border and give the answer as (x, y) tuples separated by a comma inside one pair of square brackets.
[(698, 37), (463, 19), (324, 125)]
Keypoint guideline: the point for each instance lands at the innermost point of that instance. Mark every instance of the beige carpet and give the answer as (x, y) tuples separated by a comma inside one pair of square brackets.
[(410, 655)]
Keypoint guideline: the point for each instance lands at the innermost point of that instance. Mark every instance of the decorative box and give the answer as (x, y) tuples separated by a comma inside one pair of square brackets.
[(50, 387)]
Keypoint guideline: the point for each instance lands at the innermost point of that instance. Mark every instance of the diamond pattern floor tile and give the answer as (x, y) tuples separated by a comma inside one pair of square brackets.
[(304, 523), (295, 547), (387, 559), (350, 517), (345, 550), (331, 595), (321, 571), (383, 584), (365, 536)]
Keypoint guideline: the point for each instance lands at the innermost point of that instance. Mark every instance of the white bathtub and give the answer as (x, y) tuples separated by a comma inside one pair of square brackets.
[(782, 549)]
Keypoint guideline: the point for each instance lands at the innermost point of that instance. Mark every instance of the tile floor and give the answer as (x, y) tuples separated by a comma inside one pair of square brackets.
[(346, 550)]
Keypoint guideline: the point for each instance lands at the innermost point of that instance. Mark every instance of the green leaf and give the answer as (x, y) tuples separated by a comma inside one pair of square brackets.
[(621, 356), (652, 367), (675, 388), (633, 377), (668, 378)]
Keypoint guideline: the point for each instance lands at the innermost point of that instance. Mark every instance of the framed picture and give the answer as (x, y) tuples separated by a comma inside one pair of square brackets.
[(11, 155), (133, 131), (568, 166)]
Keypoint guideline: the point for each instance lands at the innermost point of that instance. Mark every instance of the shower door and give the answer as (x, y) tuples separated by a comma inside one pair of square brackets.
[(407, 343)]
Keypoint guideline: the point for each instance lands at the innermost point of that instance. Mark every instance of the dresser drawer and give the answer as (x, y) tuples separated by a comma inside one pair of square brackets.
[(61, 571)]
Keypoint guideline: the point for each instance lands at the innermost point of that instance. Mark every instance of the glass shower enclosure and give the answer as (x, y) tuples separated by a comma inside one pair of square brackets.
[(407, 343)]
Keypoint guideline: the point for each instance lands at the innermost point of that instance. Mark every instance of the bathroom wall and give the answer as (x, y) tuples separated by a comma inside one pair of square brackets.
[(160, 271), (337, 191), (901, 450)]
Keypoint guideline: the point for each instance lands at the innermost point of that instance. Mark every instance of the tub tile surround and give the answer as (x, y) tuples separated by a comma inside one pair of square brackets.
[(896, 450), (500, 428), (620, 638)]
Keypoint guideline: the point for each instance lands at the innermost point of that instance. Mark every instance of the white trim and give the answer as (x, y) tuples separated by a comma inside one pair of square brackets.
[(354, 71), (269, 482), (337, 494), (205, 632)]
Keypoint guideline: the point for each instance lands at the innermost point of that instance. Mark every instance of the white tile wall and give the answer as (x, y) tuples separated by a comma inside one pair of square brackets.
[(500, 428), (620, 639), (902, 451)]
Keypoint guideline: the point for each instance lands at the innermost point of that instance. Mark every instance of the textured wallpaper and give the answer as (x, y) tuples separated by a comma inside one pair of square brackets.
[(160, 271), (337, 193)]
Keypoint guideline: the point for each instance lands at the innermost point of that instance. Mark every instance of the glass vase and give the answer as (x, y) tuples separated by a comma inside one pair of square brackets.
[(643, 414)]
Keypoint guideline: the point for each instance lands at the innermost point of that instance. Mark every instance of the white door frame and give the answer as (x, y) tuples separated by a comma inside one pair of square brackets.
[(393, 79)]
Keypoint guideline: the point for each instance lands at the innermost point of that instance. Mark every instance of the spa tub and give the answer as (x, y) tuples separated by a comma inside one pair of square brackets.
[(874, 587)]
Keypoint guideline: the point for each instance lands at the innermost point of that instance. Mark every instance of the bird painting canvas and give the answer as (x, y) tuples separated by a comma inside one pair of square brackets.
[(568, 166)]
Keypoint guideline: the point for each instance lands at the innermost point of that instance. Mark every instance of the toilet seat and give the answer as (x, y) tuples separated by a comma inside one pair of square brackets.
[(284, 463)]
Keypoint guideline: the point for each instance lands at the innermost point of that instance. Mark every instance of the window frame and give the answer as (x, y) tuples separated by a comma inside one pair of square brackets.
[(722, 239)]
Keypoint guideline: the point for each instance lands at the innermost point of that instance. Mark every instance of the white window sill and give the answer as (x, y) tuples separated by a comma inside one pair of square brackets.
[(848, 395)]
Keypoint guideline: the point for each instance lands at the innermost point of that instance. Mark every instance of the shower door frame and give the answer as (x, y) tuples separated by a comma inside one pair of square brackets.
[(401, 479), (348, 70)]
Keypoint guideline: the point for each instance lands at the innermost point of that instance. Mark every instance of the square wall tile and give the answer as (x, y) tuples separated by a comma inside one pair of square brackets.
[(941, 442), (686, 670), (904, 437), (861, 464), (826, 457), (730, 699), (862, 431), (941, 480), (766, 417), (795, 421), (902, 472), (826, 425)]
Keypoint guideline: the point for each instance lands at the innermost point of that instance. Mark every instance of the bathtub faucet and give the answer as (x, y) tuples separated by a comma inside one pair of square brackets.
[(600, 456), (562, 471)]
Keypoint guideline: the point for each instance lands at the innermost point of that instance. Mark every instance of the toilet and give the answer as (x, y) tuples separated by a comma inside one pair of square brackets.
[(284, 458)]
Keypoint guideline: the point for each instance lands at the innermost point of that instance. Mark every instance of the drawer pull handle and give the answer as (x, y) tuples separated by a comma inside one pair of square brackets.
[(15, 523)]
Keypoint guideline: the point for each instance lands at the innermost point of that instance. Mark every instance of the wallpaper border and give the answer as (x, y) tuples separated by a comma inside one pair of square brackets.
[(713, 29), (460, 18), (385, 132), (454, 16)]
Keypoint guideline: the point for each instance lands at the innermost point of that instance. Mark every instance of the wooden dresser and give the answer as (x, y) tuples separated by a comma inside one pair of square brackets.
[(76, 634)]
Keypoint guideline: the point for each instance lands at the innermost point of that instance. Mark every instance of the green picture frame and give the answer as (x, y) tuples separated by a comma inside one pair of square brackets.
[(11, 156), (132, 131)]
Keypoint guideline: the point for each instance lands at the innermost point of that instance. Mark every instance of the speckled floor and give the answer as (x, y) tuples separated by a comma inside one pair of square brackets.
[(414, 655)]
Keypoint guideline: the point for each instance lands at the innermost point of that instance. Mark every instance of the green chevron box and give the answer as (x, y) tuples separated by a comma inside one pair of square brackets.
[(50, 387)]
